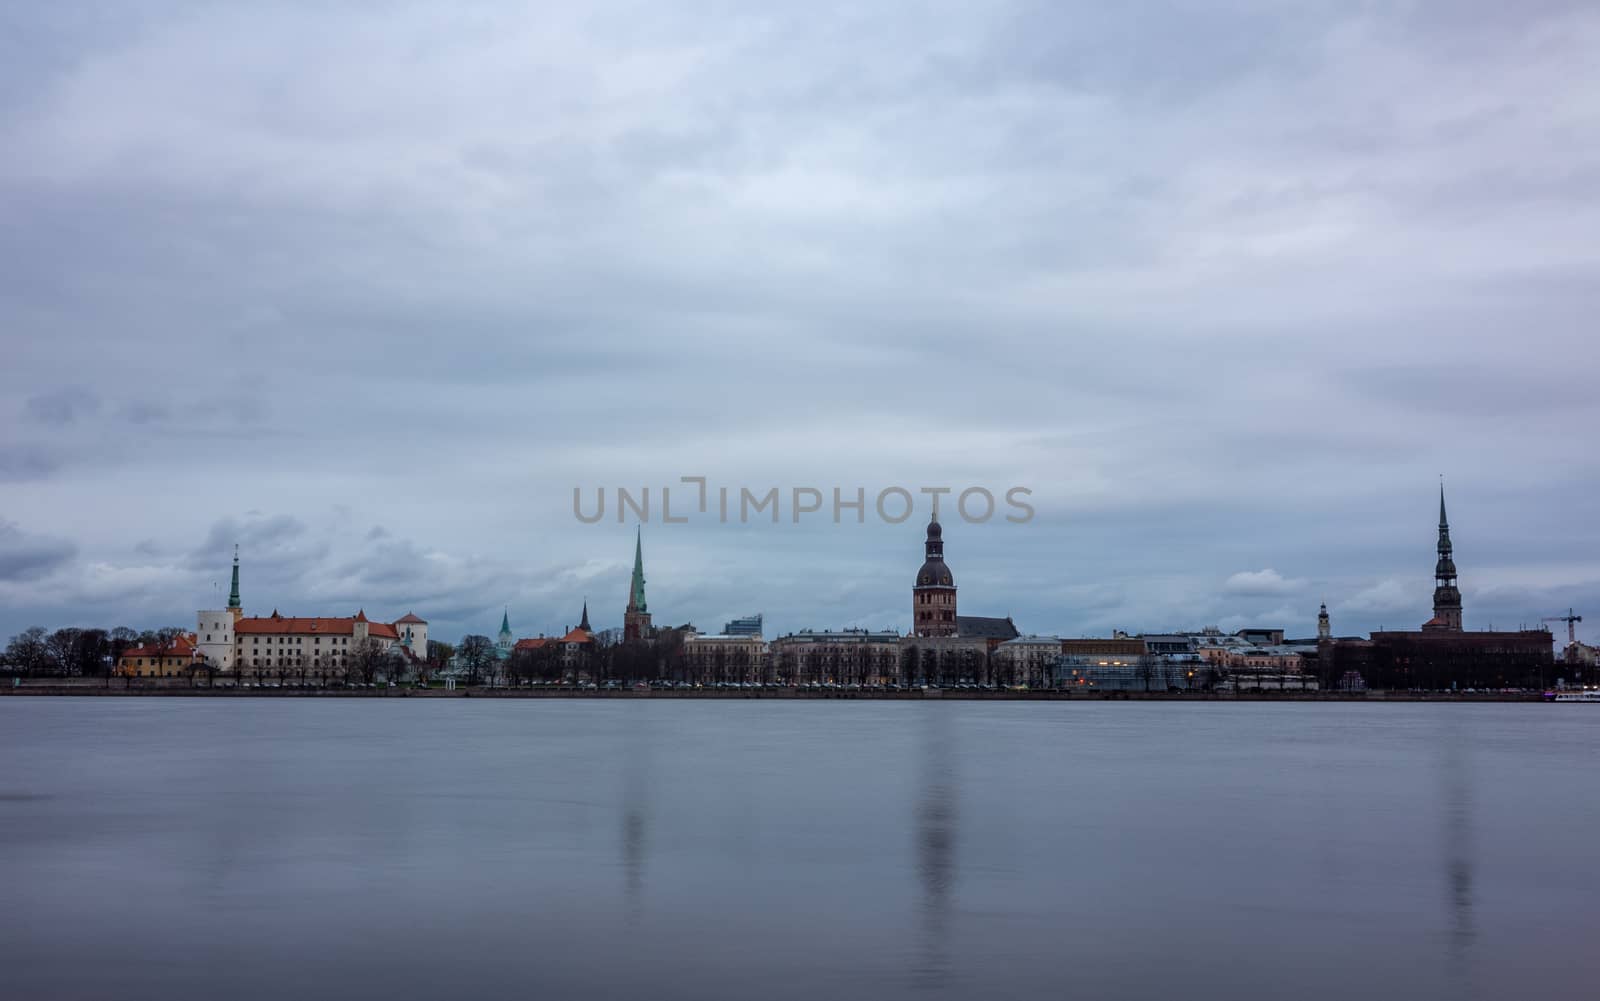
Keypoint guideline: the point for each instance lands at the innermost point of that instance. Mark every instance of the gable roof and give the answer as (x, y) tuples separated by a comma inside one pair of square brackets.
[(986, 627), (314, 625), (411, 617), (276, 623), (181, 646)]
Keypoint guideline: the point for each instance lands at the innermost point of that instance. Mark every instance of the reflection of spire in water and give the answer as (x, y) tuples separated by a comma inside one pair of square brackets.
[(1456, 787), (937, 817), (633, 858), (635, 813)]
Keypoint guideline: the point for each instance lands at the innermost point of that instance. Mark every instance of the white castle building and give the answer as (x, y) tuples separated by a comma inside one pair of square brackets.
[(229, 641)]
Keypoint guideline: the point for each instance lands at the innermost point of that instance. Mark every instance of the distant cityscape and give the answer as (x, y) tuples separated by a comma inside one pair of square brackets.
[(945, 648)]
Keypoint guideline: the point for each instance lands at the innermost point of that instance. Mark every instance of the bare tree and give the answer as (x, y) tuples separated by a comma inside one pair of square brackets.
[(364, 661), (476, 654), (61, 647), (27, 653)]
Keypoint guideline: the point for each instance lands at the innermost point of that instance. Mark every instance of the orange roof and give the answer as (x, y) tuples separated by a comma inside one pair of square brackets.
[(534, 644), (411, 617), (577, 636), (181, 646), (276, 623), (316, 625)]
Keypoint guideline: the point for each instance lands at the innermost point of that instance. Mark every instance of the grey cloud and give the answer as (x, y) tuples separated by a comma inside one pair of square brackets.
[(265, 537), (65, 405), (26, 462), (1227, 284), (28, 557)]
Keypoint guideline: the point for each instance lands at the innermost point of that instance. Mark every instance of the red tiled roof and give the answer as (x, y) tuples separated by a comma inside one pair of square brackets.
[(276, 623), (314, 626), (534, 644), (577, 636), (411, 617), (181, 646)]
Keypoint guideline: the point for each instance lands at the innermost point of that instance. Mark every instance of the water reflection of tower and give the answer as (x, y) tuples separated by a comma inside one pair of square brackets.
[(635, 814), (937, 818), (1456, 788)]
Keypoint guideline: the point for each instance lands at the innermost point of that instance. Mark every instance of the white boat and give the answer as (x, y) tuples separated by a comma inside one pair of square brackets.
[(1587, 695)]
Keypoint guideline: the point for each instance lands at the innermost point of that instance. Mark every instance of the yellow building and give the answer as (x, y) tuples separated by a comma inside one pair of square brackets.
[(158, 660)]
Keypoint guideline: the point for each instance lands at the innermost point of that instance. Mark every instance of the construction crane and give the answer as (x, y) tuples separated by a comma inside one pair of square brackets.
[(1571, 620)]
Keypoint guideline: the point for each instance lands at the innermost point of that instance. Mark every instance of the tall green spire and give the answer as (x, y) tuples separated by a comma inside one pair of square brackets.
[(505, 621), (233, 595), (636, 597)]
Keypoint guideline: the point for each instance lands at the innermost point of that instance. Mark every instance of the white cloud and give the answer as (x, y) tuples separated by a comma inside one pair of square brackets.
[(1261, 583)]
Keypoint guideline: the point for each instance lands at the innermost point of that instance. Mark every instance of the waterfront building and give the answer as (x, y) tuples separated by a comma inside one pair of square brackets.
[(1442, 654), (215, 641), (636, 617), (1120, 645), (1168, 643), (578, 642), (948, 660), (1027, 660), (750, 625), (1114, 673), (228, 641), (174, 658), (723, 657), (280, 645), (845, 656)]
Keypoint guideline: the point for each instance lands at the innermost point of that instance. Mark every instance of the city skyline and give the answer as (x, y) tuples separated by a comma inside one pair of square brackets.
[(1267, 584), (1227, 297)]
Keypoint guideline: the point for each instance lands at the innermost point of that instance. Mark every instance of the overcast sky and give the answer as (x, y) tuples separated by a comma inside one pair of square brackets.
[(370, 288)]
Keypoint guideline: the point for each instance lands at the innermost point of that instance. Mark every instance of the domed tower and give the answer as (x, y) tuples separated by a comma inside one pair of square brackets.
[(933, 596)]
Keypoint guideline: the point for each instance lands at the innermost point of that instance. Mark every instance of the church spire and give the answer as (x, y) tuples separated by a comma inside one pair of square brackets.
[(1446, 594), (505, 621), (636, 594), (636, 617), (584, 623), (233, 594)]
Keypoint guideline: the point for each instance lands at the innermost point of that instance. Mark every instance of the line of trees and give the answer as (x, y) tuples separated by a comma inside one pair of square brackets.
[(76, 653)]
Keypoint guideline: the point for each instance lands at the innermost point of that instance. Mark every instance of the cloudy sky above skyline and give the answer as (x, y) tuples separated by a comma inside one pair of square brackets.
[(368, 289)]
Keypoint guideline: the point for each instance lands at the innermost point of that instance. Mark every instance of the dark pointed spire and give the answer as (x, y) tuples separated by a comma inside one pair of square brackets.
[(1446, 594), (1445, 570), (233, 595), (584, 622)]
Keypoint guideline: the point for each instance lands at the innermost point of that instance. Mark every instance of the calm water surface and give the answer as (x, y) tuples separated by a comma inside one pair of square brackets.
[(204, 848)]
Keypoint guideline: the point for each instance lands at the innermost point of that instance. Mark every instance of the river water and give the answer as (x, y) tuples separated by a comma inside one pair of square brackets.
[(395, 848)]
